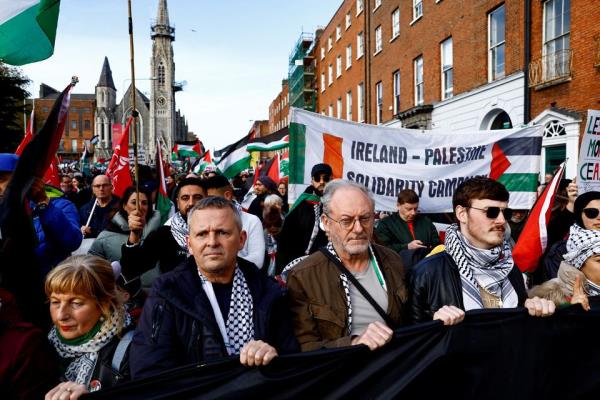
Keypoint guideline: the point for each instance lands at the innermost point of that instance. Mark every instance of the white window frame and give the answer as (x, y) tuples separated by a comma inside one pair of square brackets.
[(349, 105), (323, 85), (377, 5), (396, 87), (395, 23), (447, 68), (329, 43), (348, 56), (562, 39), (331, 110), (378, 40), (330, 74), (74, 146), (417, 9), (360, 5), (360, 45), (322, 53), (348, 20), (338, 66), (338, 33), (339, 108), (379, 102), (419, 85), (360, 97), (497, 47)]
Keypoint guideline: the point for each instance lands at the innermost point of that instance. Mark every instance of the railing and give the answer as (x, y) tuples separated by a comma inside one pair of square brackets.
[(551, 69)]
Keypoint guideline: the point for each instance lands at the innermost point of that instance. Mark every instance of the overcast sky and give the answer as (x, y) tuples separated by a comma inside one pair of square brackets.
[(232, 53)]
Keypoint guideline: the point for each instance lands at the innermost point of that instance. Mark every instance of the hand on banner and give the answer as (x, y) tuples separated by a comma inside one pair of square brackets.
[(376, 335), (579, 296), (449, 315), (136, 225), (415, 244), (540, 307), (66, 391), (257, 352)]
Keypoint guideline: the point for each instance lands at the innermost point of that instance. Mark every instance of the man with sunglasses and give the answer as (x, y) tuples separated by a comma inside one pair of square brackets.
[(351, 291), (476, 270), (301, 234)]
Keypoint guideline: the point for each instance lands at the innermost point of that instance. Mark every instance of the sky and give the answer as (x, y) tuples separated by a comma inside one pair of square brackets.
[(233, 54)]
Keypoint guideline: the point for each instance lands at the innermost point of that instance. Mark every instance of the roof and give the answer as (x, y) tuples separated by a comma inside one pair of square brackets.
[(106, 79)]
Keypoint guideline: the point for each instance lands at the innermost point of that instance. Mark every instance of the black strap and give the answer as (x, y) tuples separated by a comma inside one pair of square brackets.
[(360, 287)]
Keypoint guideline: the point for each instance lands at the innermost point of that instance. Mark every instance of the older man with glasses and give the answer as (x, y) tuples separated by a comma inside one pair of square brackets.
[(351, 291), (476, 270), (95, 215)]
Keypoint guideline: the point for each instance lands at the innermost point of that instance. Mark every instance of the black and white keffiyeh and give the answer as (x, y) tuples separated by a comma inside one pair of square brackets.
[(83, 357), (180, 230), (239, 326), (581, 245), (345, 286), (488, 269), (318, 209)]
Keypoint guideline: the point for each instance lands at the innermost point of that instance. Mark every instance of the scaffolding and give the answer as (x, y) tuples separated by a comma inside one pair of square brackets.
[(301, 74)]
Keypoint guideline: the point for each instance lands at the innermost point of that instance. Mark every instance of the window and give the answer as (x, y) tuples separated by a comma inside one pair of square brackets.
[(348, 21), (86, 124), (73, 124), (396, 80), (419, 98), (161, 75), (74, 145), (331, 110), (496, 44), (329, 43), (417, 9), (395, 23), (359, 6), (349, 106), (330, 74), (377, 4), (378, 42), (379, 94), (348, 56), (557, 27), (447, 70), (322, 82), (339, 108), (360, 45), (360, 100), (338, 33), (322, 53), (44, 109), (338, 66)]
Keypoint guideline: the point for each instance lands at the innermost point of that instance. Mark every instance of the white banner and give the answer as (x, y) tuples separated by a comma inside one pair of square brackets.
[(588, 169), (388, 160)]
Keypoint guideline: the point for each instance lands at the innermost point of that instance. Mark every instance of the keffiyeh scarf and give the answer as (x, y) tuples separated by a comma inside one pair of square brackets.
[(239, 327), (488, 269), (179, 230), (581, 245), (83, 357)]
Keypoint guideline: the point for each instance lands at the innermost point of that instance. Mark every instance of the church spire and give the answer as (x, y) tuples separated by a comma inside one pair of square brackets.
[(162, 27), (163, 13), (106, 79)]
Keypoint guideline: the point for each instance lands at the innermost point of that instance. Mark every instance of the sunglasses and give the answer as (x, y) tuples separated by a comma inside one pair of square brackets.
[(591, 213), (322, 178), (493, 212)]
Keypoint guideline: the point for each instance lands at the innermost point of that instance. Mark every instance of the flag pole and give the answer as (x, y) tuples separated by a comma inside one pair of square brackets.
[(134, 112)]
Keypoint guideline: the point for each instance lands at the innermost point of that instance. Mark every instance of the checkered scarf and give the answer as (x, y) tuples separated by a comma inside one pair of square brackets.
[(179, 230), (581, 245), (488, 269)]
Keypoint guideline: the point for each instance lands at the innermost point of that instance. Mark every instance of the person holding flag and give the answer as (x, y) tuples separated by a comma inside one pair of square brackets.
[(95, 215)]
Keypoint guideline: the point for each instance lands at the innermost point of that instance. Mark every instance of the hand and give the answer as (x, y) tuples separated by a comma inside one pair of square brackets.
[(257, 352), (415, 244), (572, 191), (375, 336), (66, 391), (37, 194), (86, 230), (136, 223), (540, 307), (579, 296), (449, 315)]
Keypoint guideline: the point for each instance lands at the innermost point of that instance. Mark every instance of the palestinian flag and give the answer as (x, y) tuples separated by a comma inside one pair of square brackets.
[(234, 158), (533, 240), (27, 30), (284, 165), (183, 150), (275, 141), (163, 204), (202, 163)]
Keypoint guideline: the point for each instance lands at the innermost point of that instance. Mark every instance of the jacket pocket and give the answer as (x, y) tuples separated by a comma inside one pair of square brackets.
[(331, 323)]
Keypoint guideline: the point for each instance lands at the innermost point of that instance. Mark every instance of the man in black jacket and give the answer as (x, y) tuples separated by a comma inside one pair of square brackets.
[(476, 270), (213, 305)]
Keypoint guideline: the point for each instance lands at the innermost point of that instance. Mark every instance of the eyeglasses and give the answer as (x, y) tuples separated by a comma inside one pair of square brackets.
[(322, 178), (101, 186), (591, 213), (493, 212), (348, 223)]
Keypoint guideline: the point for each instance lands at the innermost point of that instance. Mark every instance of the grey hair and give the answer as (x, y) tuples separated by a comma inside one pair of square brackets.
[(336, 184), (219, 203), (273, 200)]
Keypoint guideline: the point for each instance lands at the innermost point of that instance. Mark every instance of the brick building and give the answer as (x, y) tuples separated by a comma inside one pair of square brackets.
[(279, 109)]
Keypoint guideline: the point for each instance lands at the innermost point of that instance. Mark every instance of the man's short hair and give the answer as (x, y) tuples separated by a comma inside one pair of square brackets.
[(217, 182), (408, 196), (478, 188), (187, 182), (337, 184), (218, 203)]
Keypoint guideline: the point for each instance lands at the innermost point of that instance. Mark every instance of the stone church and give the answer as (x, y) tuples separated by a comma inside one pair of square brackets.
[(158, 116)]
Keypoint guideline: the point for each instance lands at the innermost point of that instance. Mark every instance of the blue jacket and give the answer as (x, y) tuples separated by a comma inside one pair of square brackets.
[(178, 327), (58, 232)]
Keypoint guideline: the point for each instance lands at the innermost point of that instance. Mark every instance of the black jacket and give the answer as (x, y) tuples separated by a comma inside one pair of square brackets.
[(435, 282), (178, 326)]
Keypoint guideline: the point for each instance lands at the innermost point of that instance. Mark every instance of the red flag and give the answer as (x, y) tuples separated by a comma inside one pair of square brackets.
[(52, 176), (163, 204), (197, 147), (533, 239), (118, 168), (273, 171), (28, 134), (207, 157)]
